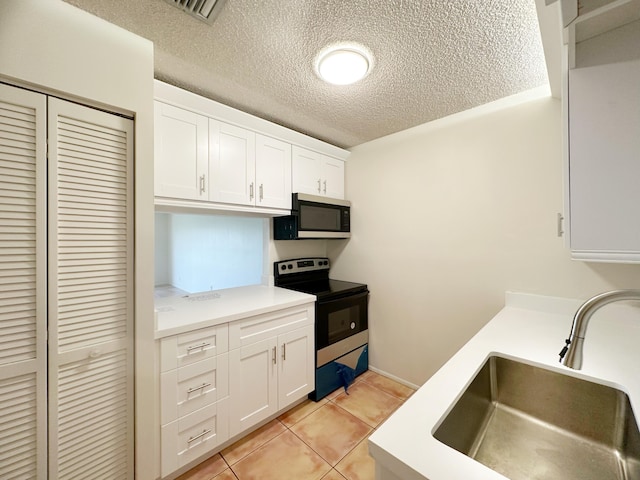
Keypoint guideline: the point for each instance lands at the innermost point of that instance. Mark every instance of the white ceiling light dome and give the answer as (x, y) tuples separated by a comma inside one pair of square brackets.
[(344, 63)]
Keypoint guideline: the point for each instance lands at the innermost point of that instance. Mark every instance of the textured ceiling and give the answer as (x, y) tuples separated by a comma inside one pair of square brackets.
[(432, 58)]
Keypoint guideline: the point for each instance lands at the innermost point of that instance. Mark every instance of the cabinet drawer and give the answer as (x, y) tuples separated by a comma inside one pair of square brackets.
[(192, 347), (195, 435), (261, 327), (192, 387)]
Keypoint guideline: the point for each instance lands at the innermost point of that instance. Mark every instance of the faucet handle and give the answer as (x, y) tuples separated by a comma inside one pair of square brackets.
[(565, 349)]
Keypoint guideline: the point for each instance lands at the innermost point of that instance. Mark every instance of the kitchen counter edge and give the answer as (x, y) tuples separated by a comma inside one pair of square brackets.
[(185, 313)]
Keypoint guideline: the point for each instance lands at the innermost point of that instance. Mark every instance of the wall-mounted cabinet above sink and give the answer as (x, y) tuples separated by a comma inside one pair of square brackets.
[(585, 19), (602, 128)]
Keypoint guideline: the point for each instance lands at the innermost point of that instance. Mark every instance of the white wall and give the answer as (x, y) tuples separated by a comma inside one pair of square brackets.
[(208, 252), (161, 253), (448, 216), (53, 47)]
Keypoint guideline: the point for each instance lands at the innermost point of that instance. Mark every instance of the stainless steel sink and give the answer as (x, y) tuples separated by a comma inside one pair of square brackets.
[(529, 423)]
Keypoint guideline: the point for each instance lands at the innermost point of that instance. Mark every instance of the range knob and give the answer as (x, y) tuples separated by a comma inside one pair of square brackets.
[(283, 267), (290, 266)]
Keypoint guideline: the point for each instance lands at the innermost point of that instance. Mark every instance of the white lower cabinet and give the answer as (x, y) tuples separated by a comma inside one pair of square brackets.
[(194, 390), (221, 381), (254, 383), (194, 435), (269, 375), (190, 388), (272, 366), (295, 371)]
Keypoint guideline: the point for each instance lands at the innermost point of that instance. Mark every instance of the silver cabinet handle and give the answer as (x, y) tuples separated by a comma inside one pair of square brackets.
[(251, 191), (195, 389), (261, 191), (560, 230), (200, 435), (273, 356), (284, 351), (200, 346), (202, 183), (318, 185), (325, 187)]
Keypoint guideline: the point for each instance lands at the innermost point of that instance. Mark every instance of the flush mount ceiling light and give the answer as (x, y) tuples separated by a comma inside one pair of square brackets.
[(343, 64)]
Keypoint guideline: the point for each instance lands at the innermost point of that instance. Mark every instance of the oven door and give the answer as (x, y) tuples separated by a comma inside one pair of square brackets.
[(341, 318)]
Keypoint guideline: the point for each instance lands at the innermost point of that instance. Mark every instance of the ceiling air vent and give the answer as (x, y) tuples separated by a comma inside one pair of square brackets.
[(205, 10)]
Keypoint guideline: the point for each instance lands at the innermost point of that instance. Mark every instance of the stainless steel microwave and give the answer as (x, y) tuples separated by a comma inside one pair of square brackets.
[(313, 216)]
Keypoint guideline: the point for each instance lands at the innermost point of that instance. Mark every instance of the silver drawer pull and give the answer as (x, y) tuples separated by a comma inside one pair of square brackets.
[(200, 435), (197, 347), (195, 389)]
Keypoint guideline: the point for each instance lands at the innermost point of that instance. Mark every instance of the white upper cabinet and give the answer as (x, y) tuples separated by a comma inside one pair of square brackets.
[(587, 19), (273, 172), (317, 174), (210, 156), (181, 153), (232, 154), (604, 147), (248, 168)]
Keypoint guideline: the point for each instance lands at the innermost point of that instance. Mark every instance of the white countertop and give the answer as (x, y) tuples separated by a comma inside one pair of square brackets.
[(179, 314), (532, 329)]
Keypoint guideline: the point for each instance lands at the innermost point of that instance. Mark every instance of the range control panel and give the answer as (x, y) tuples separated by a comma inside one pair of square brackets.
[(300, 265)]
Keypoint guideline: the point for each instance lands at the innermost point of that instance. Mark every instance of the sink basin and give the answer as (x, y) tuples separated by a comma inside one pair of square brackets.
[(530, 423)]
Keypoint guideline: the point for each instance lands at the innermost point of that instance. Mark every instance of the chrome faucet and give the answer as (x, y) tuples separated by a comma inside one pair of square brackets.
[(573, 347)]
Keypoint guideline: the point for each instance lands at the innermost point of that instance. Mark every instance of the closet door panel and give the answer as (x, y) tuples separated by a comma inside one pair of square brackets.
[(22, 284), (90, 293)]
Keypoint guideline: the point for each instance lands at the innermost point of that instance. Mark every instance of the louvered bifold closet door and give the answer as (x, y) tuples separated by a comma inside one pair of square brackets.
[(90, 293), (23, 369)]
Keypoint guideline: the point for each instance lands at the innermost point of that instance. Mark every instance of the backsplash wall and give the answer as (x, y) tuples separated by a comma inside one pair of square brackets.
[(208, 252)]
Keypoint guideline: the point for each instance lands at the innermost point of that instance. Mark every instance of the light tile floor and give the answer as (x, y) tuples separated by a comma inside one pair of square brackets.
[(316, 440)]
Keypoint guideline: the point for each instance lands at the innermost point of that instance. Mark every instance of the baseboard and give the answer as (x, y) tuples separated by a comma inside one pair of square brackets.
[(393, 377)]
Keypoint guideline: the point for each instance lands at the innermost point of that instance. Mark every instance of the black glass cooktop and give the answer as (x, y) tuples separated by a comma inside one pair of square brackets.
[(311, 275), (329, 288)]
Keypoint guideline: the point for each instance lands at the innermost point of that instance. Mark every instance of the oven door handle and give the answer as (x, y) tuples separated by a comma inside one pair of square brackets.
[(349, 297)]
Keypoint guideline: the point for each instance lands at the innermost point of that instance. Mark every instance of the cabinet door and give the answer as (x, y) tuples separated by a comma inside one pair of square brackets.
[(273, 173), (232, 164), (23, 371), (296, 365), (253, 384), (604, 112), (306, 171), (332, 177), (181, 153), (90, 287)]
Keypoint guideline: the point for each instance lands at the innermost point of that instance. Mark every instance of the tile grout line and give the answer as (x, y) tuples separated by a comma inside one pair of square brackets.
[(333, 467), (332, 401)]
